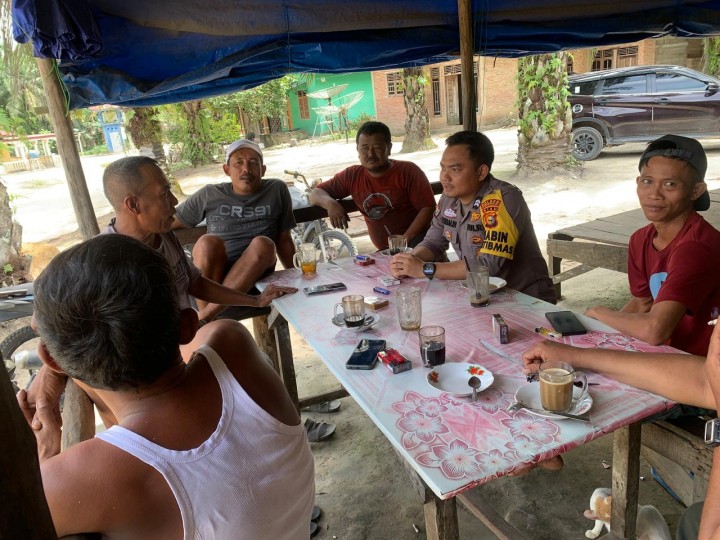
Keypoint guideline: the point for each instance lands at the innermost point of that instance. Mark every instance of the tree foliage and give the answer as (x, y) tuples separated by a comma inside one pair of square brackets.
[(417, 119), (711, 56), (544, 113)]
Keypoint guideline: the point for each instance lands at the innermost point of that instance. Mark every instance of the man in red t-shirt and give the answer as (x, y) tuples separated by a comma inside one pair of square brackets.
[(392, 195), (673, 261)]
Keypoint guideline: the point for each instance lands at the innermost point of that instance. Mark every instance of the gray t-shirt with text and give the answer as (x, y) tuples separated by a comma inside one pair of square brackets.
[(237, 219)]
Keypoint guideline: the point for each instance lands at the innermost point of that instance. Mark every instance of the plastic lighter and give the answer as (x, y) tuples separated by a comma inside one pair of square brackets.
[(545, 332), (380, 290)]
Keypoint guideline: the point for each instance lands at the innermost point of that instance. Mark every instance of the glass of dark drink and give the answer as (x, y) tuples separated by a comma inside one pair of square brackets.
[(432, 345), (397, 243)]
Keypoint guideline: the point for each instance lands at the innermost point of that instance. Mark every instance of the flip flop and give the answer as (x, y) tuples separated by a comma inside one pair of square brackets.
[(325, 407), (313, 529), (316, 512), (318, 431)]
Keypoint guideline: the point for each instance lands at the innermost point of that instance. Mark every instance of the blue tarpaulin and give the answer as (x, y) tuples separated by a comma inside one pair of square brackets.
[(134, 53)]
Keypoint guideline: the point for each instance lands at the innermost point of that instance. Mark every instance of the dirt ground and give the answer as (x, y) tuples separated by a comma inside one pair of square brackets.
[(360, 484)]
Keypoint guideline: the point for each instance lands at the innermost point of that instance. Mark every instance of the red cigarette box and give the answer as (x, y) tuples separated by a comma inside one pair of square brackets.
[(395, 361)]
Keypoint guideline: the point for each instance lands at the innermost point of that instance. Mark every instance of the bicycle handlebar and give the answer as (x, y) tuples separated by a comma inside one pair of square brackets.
[(295, 175)]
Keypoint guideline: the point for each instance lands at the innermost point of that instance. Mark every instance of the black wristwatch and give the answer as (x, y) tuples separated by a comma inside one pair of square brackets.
[(429, 270), (712, 432)]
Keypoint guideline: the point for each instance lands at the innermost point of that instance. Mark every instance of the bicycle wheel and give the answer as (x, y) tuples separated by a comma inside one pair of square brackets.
[(338, 241)]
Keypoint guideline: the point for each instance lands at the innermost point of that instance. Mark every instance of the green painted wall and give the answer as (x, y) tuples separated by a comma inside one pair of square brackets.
[(356, 82)]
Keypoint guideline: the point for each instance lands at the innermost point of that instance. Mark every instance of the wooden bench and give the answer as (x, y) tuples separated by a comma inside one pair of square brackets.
[(677, 451)]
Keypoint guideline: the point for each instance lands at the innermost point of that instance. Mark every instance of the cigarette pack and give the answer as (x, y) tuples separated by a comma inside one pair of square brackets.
[(388, 281), (394, 361), (375, 302), (363, 260), (500, 328)]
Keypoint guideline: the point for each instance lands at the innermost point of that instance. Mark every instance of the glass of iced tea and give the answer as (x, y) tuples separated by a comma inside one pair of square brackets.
[(305, 259)]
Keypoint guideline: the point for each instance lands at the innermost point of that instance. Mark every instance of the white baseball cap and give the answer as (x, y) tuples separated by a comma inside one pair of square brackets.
[(242, 143)]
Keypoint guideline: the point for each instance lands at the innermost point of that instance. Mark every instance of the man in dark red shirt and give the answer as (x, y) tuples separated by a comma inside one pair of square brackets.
[(392, 195), (673, 261)]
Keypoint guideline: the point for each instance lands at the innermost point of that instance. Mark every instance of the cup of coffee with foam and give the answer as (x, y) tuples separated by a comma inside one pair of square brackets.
[(556, 386)]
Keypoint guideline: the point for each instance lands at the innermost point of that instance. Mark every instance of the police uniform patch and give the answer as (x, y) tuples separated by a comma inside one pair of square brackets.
[(474, 216), (501, 233), (477, 240), (476, 204), (449, 212), (448, 235)]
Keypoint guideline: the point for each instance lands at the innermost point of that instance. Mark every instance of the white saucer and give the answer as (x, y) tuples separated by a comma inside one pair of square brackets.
[(371, 319), (496, 284), (530, 396), (453, 378)]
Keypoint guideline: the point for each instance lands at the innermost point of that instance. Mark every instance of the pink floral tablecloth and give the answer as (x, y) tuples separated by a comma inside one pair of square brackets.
[(452, 443)]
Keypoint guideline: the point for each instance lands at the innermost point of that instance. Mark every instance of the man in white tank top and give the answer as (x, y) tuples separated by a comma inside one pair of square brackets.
[(209, 449)]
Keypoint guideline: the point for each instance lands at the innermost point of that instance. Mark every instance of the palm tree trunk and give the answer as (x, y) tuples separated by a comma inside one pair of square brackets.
[(417, 119)]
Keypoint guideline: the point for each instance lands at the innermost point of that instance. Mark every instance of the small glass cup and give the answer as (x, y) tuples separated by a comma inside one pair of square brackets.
[(478, 285), (556, 386), (409, 305), (306, 259), (353, 308), (432, 345), (397, 243)]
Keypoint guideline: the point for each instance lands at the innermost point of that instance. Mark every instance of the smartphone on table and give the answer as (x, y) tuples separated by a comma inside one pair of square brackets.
[(365, 354), (566, 323), (319, 289)]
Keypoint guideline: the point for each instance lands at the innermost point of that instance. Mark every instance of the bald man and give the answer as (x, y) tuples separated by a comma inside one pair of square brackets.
[(144, 208)]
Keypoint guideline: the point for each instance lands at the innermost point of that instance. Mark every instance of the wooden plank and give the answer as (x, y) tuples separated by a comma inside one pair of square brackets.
[(266, 340), (285, 356), (625, 480), (441, 519), (575, 271), (675, 476), (482, 510), (595, 255), (26, 514), (316, 399)]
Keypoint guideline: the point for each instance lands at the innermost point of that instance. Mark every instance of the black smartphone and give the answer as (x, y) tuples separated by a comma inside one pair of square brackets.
[(365, 354), (330, 287), (566, 323)]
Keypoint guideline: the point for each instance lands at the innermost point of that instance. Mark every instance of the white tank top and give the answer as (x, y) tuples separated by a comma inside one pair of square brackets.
[(254, 477)]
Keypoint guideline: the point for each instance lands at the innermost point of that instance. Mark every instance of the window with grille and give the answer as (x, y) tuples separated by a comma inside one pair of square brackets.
[(394, 84), (435, 85), (303, 105), (615, 58)]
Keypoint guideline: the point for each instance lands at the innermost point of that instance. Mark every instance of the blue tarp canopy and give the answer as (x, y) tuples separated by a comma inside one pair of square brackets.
[(140, 52)]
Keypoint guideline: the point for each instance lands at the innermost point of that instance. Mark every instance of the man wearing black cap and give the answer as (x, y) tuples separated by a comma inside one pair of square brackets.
[(673, 261)]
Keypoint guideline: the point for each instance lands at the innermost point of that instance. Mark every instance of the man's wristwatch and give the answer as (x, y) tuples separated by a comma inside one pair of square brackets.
[(712, 432), (429, 270)]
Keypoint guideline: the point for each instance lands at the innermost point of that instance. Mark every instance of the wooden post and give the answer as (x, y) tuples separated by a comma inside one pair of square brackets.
[(78, 416), (25, 511), (469, 99), (84, 212), (625, 480)]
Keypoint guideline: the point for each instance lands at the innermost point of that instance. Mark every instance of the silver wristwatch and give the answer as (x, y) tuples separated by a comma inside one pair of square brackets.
[(712, 432)]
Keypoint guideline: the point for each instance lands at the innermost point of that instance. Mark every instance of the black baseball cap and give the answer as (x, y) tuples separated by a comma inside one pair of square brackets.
[(690, 150)]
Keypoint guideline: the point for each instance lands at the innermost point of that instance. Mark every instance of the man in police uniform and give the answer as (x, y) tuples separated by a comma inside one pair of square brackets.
[(486, 220)]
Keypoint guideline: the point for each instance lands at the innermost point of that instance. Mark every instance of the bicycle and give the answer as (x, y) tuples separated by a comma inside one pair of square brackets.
[(335, 243)]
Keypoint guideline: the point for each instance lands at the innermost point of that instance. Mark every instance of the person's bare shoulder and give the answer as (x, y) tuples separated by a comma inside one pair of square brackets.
[(96, 487)]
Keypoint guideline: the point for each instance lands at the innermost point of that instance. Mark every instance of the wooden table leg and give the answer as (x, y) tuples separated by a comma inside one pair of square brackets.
[(554, 262), (78, 416), (441, 519), (279, 325), (625, 480)]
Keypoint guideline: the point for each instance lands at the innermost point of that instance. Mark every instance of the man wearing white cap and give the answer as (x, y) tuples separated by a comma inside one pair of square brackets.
[(673, 261), (248, 223)]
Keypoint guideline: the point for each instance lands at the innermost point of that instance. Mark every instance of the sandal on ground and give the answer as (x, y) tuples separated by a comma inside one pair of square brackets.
[(316, 512), (325, 407), (313, 529), (318, 431)]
